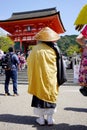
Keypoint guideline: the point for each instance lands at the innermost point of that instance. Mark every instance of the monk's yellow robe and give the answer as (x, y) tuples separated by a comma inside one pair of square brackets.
[(42, 73), (82, 16)]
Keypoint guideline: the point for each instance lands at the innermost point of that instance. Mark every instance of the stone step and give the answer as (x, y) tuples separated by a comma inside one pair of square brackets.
[(26, 82), (23, 79)]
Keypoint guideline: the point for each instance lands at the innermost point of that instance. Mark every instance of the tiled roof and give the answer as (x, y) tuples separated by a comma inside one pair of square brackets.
[(31, 14)]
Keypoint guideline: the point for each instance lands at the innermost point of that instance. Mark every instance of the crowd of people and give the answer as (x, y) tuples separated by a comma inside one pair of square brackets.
[(22, 59)]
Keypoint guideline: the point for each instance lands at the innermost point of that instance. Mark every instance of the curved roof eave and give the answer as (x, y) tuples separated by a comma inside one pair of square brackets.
[(10, 20)]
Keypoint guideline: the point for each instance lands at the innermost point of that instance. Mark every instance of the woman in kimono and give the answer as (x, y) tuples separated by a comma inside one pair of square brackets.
[(81, 25), (82, 40), (42, 76)]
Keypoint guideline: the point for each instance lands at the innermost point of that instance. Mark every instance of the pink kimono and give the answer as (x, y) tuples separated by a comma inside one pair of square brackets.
[(83, 65)]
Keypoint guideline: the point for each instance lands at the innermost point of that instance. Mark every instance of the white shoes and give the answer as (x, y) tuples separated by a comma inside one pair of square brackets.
[(50, 120), (40, 121)]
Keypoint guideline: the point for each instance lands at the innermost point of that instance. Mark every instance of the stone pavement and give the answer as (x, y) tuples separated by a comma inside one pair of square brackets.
[(17, 114)]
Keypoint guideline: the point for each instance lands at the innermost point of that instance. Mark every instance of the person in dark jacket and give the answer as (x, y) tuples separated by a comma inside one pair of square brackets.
[(12, 73)]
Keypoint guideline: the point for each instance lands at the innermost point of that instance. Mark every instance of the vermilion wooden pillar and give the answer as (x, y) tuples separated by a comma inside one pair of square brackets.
[(20, 44)]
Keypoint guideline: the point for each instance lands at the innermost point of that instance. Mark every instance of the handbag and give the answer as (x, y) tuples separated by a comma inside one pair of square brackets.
[(61, 71)]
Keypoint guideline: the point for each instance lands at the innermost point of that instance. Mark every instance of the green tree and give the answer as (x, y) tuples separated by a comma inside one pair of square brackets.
[(68, 42), (5, 43), (71, 49)]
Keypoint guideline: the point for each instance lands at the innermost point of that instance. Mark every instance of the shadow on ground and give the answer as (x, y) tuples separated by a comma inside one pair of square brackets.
[(1, 94), (30, 120), (76, 109)]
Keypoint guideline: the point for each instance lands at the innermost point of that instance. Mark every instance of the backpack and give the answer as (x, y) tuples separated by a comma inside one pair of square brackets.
[(7, 61)]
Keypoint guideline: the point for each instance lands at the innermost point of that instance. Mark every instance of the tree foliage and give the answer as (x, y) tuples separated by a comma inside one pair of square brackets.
[(72, 49), (68, 45), (5, 43)]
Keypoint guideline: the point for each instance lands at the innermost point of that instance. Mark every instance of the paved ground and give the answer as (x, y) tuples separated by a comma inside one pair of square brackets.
[(17, 114)]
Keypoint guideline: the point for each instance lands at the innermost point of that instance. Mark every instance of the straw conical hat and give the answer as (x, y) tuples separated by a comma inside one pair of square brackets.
[(47, 34), (82, 16)]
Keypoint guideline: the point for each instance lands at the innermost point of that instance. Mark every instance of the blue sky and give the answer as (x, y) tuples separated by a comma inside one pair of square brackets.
[(69, 9)]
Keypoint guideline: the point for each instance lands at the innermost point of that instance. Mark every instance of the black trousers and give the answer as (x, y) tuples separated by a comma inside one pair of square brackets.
[(38, 103)]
